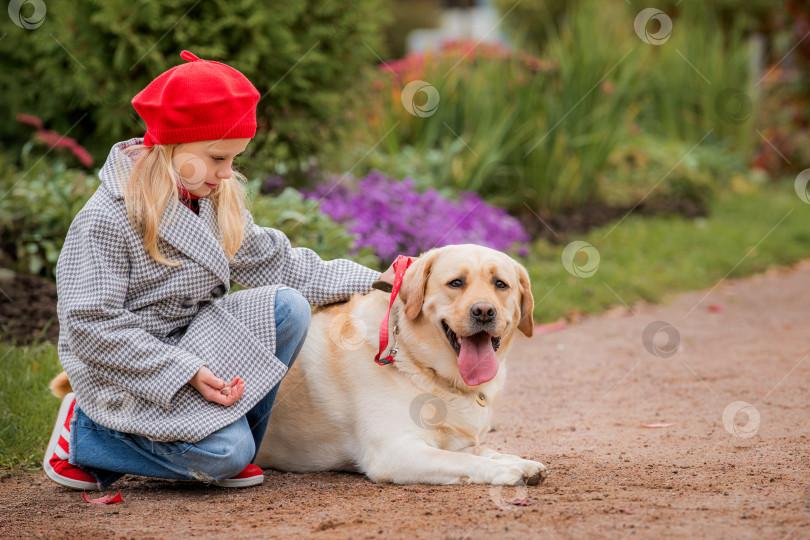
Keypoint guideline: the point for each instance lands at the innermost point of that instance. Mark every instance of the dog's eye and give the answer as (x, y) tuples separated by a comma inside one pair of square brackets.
[(456, 283), (501, 285)]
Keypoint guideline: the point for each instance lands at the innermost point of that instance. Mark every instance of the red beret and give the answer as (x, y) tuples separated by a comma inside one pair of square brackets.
[(202, 100)]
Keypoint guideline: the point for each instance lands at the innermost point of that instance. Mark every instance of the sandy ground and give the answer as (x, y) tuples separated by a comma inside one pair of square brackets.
[(577, 400)]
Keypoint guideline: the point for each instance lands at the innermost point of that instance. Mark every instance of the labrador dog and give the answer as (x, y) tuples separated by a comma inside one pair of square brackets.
[(423, 417)]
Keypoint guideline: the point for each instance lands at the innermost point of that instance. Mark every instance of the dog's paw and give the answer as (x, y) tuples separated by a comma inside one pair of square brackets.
[(520, 473), (537, 473)]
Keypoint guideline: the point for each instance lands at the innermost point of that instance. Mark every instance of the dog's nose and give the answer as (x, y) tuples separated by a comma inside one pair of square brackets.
[(483, 311)]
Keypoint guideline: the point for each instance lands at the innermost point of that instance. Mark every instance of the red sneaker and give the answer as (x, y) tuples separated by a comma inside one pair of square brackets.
[(55, 462), (250, 476)]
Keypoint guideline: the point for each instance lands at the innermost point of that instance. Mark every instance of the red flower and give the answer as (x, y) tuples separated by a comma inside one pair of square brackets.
[(50, 138), (54, 139), (82, 155), (29, 119)]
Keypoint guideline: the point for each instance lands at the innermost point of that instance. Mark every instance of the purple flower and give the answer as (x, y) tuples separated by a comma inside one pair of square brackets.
[(273, 184), (393, 218)]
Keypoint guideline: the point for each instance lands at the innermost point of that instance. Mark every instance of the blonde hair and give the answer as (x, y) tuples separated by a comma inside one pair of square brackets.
[(153, 185)]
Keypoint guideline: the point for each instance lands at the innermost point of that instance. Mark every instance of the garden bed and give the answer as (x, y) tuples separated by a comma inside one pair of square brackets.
[(27, 309), (560, 228)]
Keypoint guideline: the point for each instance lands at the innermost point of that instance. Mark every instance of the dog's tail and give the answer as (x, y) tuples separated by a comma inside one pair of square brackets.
[(60, 385)]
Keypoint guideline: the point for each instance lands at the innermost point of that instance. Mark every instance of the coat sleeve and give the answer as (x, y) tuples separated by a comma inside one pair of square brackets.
[(92, 279), (266, 257)]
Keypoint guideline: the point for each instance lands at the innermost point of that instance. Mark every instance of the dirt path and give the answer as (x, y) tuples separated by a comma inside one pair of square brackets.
[(577, 400)]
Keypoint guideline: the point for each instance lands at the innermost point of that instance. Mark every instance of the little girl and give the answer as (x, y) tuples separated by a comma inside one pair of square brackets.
[(174, 377)]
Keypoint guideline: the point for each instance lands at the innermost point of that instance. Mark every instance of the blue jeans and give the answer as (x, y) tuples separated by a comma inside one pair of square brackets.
[(109, 454)]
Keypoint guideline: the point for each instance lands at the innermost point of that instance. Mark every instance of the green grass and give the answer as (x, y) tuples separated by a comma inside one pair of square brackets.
[(652, 259), (641, 259), (27, 407)]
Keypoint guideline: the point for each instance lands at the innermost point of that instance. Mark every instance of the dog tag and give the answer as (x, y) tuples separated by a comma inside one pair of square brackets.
[(481, 399)]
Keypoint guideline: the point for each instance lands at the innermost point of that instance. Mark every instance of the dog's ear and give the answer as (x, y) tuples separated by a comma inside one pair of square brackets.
[(526, 324), (414, 282)]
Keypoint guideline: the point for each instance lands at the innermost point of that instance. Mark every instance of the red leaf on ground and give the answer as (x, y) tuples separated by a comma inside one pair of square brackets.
[(522, 502), (106, 499), (716, 308)]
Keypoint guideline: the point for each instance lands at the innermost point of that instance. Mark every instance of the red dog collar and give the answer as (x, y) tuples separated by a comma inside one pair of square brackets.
[(400, 265)]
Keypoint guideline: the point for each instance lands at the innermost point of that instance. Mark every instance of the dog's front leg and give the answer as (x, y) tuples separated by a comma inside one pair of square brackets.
[(418, 463), (492, 454)]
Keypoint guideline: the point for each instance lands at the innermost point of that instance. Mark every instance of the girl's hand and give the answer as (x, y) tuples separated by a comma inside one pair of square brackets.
[(389, 274), (210, 386)]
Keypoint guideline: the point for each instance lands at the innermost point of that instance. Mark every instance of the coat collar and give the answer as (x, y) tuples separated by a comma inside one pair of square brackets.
[(182, 229)]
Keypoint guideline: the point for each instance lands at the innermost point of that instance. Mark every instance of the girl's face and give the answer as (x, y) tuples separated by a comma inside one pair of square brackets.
[(204, 164)]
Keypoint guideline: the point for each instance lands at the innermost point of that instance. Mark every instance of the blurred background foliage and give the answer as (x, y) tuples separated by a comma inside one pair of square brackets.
[(80, 70), (567, 116), (534, 18), (546, 133), (36, 210)]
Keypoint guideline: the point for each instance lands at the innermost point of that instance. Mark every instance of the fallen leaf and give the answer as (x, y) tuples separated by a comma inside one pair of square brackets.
[(657, 425), (716, 308), (106, 499), (521, 502), (550, 327)]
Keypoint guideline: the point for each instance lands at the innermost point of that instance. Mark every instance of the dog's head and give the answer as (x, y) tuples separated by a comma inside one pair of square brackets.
[(467, 301)]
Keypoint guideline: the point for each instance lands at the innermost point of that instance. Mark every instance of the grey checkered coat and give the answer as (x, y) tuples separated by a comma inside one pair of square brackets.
[(123, 341)]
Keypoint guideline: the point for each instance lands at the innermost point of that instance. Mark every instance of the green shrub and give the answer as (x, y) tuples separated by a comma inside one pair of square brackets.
[(663, 174), (79, 70), (305, 226), (36, 209)]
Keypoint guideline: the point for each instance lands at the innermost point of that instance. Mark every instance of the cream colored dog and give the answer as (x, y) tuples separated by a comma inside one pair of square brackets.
[(421, 419)]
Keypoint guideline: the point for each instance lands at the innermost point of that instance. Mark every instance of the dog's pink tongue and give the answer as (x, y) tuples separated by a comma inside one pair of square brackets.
[(477, 362)]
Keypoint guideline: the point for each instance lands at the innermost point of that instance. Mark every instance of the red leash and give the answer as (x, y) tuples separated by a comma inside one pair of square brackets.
[(400, 265)]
